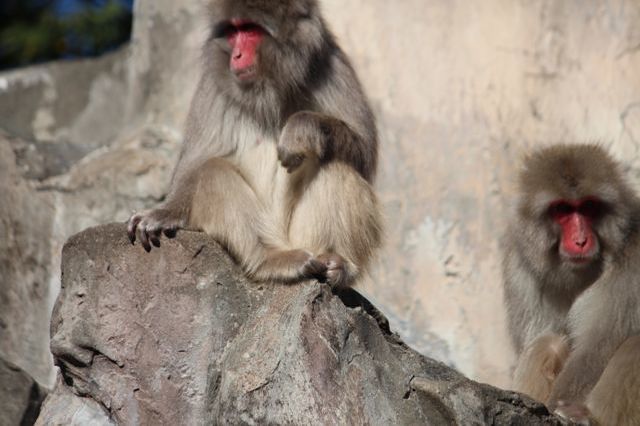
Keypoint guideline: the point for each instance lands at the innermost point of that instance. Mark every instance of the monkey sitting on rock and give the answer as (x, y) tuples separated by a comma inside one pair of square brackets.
[(572, 285), (280, 149)]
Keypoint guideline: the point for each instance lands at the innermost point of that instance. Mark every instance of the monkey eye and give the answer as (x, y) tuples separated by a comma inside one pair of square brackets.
[(593, 209), (229, 29), (560, 209), (223, 29)]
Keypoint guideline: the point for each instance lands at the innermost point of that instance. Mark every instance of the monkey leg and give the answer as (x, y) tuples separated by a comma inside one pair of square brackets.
[(337, 217), (615, 400), (539, 365), (225, 206)]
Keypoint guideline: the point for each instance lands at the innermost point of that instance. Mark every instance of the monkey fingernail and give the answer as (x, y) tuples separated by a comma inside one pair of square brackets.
[(144, 239), (131, 233)]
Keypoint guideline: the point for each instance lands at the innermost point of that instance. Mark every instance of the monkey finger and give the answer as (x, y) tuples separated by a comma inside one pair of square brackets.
[(290, 161), (154, 236), (170, 232), (144, 238), (131, 227)]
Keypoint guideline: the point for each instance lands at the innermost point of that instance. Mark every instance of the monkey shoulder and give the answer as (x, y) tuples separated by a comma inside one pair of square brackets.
[(341, 96)]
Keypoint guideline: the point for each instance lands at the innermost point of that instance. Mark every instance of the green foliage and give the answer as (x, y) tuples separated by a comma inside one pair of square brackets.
[(31, 32)]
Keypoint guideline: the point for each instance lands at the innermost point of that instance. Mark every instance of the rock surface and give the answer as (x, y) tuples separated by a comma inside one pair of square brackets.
[(21, 396), (179, 336), (84, 142), (26, 219)]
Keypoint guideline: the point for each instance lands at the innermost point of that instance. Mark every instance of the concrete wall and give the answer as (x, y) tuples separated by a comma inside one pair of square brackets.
[(461, 90)]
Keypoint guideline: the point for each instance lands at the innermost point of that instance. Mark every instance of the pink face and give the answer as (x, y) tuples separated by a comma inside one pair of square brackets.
[(578, 241), (244, 38)]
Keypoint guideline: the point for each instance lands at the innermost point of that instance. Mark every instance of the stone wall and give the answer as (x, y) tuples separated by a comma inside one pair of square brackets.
[(462, 90)]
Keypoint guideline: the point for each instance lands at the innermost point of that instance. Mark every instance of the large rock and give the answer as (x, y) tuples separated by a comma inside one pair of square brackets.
[(65, 110), (84, 142), (21, 396), (26, 219), (179, 336)]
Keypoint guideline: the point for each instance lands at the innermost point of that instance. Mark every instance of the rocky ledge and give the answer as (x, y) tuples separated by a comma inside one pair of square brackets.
[(179, 336)]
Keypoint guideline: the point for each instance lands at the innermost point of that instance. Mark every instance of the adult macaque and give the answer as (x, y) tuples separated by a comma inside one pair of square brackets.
[(572, 285), (280, 150)]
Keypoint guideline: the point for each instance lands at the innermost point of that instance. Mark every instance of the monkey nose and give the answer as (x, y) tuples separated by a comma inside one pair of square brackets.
[(581, 242)]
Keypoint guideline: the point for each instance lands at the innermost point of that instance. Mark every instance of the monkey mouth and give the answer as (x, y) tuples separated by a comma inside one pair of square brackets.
[(579, 260), (246, 75)]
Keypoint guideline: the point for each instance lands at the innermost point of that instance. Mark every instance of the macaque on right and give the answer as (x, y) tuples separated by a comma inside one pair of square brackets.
[(572, 285)]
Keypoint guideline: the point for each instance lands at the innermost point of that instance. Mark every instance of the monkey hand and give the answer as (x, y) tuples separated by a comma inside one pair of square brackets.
[(575, 412), (303, 137), (150, 224)]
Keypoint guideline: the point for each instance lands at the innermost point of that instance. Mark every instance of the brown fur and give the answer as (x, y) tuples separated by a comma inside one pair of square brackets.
[(280, 170), (622, 372), (595, 306), (539, 365)]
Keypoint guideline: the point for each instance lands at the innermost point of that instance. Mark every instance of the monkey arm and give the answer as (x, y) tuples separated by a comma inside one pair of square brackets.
[(327, 138), (600, 321), (580, 374), (596, 338), (343, 118), (344, 144)]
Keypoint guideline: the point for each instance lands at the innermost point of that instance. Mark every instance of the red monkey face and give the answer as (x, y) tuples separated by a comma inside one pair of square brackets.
[(576, 218), (243, 39), (265, 48)]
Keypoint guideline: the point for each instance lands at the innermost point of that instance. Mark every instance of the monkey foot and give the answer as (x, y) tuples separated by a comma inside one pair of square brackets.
[(577, 413), (314, 268), (151, 224), (335, 269)]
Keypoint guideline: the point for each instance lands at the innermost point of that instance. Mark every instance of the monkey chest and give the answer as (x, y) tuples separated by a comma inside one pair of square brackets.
[(258, 163)]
